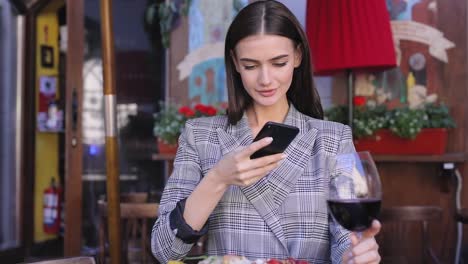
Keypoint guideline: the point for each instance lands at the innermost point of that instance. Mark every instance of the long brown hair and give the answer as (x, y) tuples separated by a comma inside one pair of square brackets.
[(270, 17)]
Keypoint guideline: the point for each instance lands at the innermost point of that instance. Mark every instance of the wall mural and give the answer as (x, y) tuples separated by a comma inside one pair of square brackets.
[(420, 47), (204, 63)]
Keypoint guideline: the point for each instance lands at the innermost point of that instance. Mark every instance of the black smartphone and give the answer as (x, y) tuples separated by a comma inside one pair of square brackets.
[(282, 136)]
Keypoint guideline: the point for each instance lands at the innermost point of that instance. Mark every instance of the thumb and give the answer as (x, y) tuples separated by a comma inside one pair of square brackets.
[(373, 230)]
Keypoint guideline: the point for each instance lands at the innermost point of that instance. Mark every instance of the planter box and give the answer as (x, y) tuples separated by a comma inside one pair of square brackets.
[(430, 141), (164, 148)]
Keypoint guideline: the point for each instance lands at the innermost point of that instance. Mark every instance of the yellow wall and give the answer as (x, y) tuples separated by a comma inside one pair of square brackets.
[(46, 143)]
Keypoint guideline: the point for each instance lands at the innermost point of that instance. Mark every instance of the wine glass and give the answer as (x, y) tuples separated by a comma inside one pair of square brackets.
[(355, 190)]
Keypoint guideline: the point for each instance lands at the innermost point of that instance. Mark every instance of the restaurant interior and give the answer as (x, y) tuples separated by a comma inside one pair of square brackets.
[(75, 193)]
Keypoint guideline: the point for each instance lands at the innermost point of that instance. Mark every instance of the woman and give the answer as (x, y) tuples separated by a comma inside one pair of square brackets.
[(274, 206)]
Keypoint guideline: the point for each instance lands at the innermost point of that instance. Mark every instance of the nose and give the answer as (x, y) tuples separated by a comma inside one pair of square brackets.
[(264, 77)]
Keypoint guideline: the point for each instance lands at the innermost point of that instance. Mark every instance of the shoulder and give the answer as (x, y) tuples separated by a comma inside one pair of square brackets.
[(328, 128), (202, 127), (325, 128), (331, 136)]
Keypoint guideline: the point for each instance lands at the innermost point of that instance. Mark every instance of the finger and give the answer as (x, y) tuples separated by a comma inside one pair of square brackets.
[(257, 145), (367, 257), (366, 244), (260, 172), (252, 176), (260, 162), (373, 230), (267, 160)]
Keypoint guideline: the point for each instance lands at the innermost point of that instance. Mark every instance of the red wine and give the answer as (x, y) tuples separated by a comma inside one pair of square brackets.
[(354, 214)]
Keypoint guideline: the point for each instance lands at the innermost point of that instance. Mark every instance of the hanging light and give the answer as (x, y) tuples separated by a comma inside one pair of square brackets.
[(349, 35)]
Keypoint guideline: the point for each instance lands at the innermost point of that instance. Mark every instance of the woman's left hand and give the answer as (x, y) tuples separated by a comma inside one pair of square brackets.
[(364, 249)]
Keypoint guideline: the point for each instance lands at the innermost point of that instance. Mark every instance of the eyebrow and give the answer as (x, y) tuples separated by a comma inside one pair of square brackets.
[(272, 59)]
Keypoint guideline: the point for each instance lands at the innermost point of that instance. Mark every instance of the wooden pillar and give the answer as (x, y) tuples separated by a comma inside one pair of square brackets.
[(112, 159)]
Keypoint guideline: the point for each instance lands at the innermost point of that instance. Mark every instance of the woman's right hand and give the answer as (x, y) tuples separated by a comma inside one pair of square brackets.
[(236, 167)]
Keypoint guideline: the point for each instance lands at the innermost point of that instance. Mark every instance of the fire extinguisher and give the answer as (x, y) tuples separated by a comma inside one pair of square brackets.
[(51, 209)]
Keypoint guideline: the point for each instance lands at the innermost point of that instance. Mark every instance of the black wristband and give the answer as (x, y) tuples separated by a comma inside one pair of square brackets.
[(181, 228)]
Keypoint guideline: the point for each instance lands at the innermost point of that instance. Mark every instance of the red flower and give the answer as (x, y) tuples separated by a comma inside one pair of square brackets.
[(211, 111), (201, 108), (359, 100), (186, 111)]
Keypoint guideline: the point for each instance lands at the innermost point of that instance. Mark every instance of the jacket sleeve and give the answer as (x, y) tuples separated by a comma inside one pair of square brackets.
[(186, 175), (339, 237)]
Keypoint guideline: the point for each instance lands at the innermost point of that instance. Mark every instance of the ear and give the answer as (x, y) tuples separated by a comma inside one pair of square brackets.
[(233, 58), (298, 56)]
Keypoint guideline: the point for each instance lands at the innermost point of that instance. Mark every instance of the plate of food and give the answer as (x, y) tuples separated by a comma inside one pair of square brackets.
[(231, 259)]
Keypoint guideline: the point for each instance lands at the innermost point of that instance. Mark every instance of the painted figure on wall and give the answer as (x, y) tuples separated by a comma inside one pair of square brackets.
[(420, 48), (204, 65)]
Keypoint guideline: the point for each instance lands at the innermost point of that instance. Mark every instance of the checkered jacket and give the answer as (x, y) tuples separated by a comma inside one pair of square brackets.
[(282, 215)]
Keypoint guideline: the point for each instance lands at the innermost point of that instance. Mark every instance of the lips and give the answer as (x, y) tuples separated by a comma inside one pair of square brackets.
[(267, 93)]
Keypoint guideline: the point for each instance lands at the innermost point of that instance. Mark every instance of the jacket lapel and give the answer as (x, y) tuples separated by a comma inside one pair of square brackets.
[(258, 194), (261, 197), (234, 136), (283, 179)]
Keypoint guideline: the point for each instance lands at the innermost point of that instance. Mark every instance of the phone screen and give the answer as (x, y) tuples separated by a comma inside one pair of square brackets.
[(282, 136)]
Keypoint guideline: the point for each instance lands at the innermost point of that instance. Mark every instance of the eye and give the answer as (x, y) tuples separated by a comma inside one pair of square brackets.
[(280, 64), (249, 67)]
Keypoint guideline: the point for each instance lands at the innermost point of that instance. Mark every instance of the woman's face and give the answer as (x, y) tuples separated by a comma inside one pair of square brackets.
[(266, 64)]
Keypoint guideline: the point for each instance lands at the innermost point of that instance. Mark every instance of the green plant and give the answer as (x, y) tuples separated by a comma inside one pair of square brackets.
[(404, 122), (168, 11), (368, 120), (168, 123), (438, 116), (170, 119), (337, 113)]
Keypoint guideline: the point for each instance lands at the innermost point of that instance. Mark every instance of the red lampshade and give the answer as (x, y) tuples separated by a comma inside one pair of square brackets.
[(349, 35)]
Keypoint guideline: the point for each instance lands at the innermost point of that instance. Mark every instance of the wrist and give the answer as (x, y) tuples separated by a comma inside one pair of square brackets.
[(213, 178)]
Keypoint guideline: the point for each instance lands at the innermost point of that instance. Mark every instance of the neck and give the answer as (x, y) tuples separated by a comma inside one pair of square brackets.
[(259, 115)]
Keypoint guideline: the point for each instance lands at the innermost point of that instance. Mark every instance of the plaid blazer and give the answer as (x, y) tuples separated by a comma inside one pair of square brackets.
[(282, 215)]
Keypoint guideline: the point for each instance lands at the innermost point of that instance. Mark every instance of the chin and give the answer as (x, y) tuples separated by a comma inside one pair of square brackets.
[(267, 101)]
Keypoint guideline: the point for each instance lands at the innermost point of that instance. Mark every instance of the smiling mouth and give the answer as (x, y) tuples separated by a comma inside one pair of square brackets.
[(267, 93)]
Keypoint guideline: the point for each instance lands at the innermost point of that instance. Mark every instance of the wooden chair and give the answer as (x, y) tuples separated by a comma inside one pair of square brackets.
[(132, 224), (75, 260), (134, 197), (134, 213), (397, 235)]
